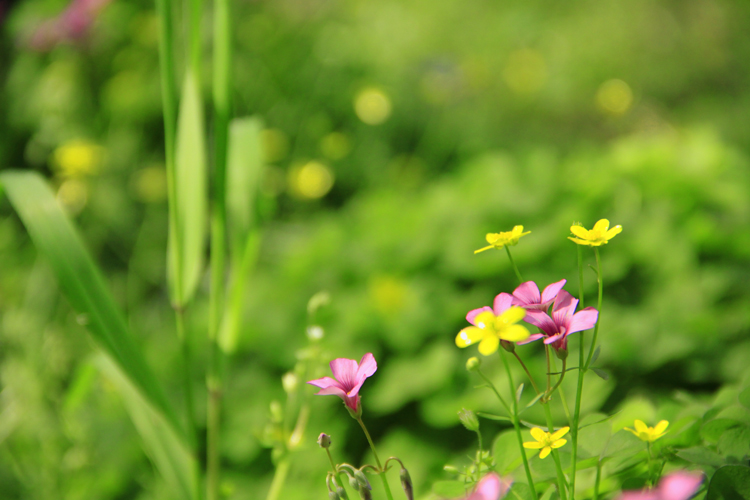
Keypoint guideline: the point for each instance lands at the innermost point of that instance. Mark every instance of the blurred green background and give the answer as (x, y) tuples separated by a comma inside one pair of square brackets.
[(397, 134)]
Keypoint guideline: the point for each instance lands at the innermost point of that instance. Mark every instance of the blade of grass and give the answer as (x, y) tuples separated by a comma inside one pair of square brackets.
[(83, 285)]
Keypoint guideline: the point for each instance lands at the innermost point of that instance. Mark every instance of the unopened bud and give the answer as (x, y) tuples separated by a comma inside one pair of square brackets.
[(277, 413), (473, 364), (342, 493), (315, 332), (562, 353), (451, 469), (406, 484), (508, 346), (354, 484), (469, 419), (324, 440), (365, 494), (289, 381), (362, 479), (332, 495)]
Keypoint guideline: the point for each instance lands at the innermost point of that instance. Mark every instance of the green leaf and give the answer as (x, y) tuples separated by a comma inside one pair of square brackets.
[(532, 402), (744, 397), (731, 482), (602, 374), (83, 285), (491, 416), (596, 354), (165, 448), (594, 433), (735, 443), (449, 489), (519, 393), (702, 456), (519, 491), (187, 232), (712, 430), (506, 451)]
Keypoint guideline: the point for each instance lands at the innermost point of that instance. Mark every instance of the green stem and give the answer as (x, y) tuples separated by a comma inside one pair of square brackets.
[(494, 389), (562, 375), (187, 359), (279, 477), (579, 388), (195, 39), (513, 264), (528, 374), (381, 471), (598, 479), (563, 400), (517, 427), (598, 306), (334, 469), (561, 483)]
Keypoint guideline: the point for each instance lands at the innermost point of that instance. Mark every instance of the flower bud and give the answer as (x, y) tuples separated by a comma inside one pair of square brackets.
[(289, 381), (562, 353), (277, 412), (324, 440), (406, 484), (473, 364), (354, 484), (451, 469), (469, 419), (365, 494), (362, 480), (508, 346), (342, 493), (332, 495)]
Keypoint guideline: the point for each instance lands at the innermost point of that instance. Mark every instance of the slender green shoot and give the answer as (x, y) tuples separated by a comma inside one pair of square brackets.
[(513, 264)]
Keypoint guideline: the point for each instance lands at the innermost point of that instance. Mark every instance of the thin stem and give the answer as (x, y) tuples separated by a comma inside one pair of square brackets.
[(598, 479), (549, 368), (494, 389), (563, 400), (194, 54), (381, 471), (598, 306), (528, 373), (561, 483), (479, 437), (562, 375), (334, 469), (187, 359), (513, 264), (517, 427), (279, 477), (579, 387)]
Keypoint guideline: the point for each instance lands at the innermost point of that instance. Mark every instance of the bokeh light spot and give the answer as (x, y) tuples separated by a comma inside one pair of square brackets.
[(73, 194), (150, 184), (372, 105), (311, 181), (78, 157), (335, 145), (525, 72), (614, 97), (388, 294), (274, 145)]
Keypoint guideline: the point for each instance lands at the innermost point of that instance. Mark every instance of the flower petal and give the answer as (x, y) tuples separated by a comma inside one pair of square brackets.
[(488, 488), (468, 336), (550, 292), (345, 371), (531, 339), (580, 231), (661, 427), (332, 391), (514, 333), (367, 366), (324, 382), (527, 293), (489, 345), (559, 443), (612, 232), (485, 319), (554, 338), (640, 426), (562, 310), (538, 434), (583, 320), (541, 320), (578, 241), (533, 445), (476, 312), (545, 452), (559, 433), (502, 303), (602, 225), (512, 315), (679, 485)]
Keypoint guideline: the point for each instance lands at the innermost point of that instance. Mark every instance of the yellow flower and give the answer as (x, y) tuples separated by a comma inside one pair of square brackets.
[(649, 434), (490, 329), (546, 441), (600, 235), (499, 240)]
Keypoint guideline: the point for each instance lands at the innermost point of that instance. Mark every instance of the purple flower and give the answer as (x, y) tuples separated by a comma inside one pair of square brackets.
[(349, 377), (679, 485), (527, 295), (563, 321), (490, 487)]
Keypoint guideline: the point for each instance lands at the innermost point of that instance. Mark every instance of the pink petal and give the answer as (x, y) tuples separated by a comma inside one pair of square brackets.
[(527, 293), (367, 366), (541, 320), (563, 309), (345, 371), (325, 382), (332, 391), (476, 312), (487, 489), (554, 338), (638, 495), (550, 292), (531, 338), (583, 320), (679, 485), (502, 303)]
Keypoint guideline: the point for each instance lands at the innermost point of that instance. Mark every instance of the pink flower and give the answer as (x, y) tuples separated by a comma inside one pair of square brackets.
[(679, 485), (71, 24), (490, 487), (349, 377), (563, 321), (527, 295)]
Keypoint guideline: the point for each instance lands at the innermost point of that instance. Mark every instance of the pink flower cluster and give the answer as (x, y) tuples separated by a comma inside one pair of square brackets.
[(71, 24), (680, 485)]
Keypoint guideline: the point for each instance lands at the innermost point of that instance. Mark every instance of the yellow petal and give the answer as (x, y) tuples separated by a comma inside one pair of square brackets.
[(483, 249), (517, 230), (512, 315), (533, 445), (559, 433), (485, 319), (640, 426), (514, 333), (489, 345), (538, 434), (661, 427), (578, 241), (468, 336), (613, 232), (602, 226), (559, 443), (546, 451), (580, 231), (492, 237), (631, 430)]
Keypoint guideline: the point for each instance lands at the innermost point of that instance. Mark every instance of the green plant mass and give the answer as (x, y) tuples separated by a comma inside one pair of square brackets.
[(511, 239)]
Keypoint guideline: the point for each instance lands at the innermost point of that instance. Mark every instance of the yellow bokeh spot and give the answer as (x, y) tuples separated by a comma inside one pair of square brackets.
[(73, 194), (614, 97), (525, 72), (388, 294), (372, 105), (77, 158), (335, 145), (274, 145), (150, 184), (311, 181)]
